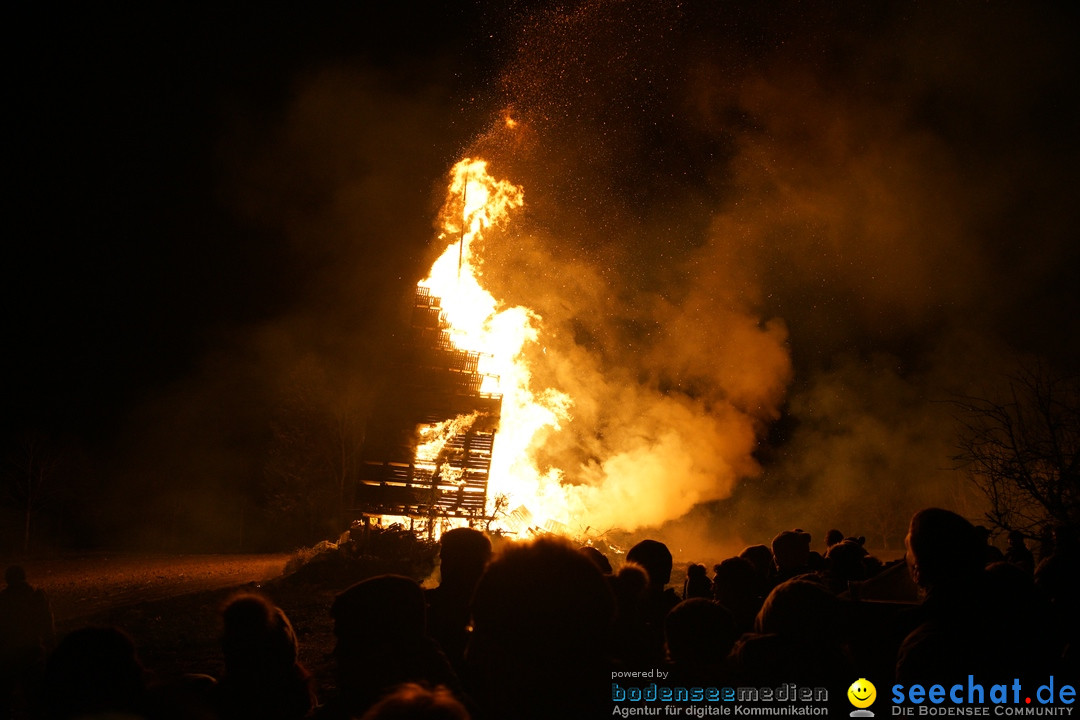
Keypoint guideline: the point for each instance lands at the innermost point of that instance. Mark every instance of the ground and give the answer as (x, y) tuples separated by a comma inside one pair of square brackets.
[(81, 585), (170, 604)]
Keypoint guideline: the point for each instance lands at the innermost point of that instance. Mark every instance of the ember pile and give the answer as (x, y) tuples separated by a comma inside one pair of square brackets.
[(362, 553)]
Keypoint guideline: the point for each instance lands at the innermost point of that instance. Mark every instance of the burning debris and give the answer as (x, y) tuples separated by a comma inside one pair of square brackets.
[(439, 474), (636, 455), (428, 464), (362, 552)]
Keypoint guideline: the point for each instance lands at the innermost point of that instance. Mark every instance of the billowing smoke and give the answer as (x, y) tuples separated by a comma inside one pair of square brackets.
[(767, 241), (843, 215), (656, 425)]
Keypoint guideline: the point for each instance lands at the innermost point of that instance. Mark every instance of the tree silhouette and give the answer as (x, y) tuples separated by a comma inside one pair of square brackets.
[(312, 457), (29, 473), (1023, 451)]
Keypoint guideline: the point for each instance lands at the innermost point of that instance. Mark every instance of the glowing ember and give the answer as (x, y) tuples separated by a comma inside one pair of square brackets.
[(476, 202), (433, 438)]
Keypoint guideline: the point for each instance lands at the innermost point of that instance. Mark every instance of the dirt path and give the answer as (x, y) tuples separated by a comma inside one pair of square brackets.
[(86, 585)]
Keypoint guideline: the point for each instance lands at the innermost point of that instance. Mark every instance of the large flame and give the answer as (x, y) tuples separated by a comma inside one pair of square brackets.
[(476, 202), (667, 452)]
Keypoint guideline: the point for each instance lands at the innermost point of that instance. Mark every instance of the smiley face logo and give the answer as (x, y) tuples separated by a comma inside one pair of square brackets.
[(862, 693)]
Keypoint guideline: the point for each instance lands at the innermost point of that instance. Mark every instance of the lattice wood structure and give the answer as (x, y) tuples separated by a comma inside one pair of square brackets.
[(437, 382)]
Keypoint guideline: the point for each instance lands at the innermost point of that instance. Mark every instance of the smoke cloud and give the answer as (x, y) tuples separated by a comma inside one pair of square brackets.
[(842, 217), (766, 241)]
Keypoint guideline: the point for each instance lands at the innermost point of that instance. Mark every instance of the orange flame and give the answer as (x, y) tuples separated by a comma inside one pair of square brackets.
[(477, 202)]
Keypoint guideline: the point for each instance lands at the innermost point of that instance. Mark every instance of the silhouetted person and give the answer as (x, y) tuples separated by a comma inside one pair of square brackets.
[(655, 557), (956, 636), (382, 642), (26, 635), (761, 557), (463, 555), (798, 636), (791, 553), (541, 620), (700, 634), (871, 565), (415, 702), (598, 558), (1018, 554), (832, 537), (735, 586), (990, 553), (844, 563), (263, 676), (94, 671), (697, 583), (630, 637)]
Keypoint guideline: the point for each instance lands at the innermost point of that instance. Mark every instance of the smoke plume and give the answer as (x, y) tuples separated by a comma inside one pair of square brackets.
[(839, 216), (767, 241)]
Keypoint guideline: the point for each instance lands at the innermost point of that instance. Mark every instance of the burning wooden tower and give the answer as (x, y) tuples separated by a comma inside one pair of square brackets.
[(428, 455)]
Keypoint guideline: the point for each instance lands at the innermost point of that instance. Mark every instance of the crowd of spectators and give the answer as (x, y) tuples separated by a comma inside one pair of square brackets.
[(537, 629)]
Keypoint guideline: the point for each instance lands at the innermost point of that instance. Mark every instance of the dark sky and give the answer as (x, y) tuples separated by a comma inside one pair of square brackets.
[(129, 262), (819, 218)]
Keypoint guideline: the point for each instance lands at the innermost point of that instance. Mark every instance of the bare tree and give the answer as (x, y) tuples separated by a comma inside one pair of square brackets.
[(1023, 451), (29, 474)]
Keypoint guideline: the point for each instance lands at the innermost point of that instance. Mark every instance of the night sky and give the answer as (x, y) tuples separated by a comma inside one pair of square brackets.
[(137, 261), (810, 223)]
